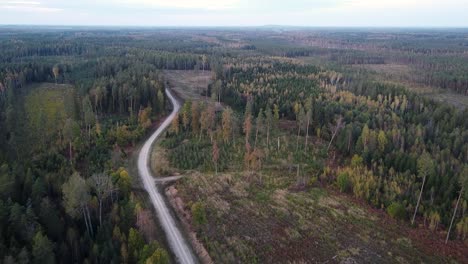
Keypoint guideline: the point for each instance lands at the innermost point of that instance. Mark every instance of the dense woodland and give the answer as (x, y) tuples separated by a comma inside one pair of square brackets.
[(66, 196), (73, 105)]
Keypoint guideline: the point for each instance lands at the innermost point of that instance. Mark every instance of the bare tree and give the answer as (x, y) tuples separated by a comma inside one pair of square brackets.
[(339, 124), (56, 72), (103, 187)]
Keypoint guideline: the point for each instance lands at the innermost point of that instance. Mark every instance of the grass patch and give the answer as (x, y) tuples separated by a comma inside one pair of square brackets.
[(45, 106)]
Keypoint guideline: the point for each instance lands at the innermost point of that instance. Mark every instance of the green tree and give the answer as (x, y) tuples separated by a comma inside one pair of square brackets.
[(269, 122), (397, 211), (276, 113), (161, 100), (343, 182), (186, 114), (195, 113), (42, 249), (88, 115), (6, 181), (434, 218), (124, 182), (159, 256), (382, 141), (135, 244), (49, 217), (198, 213), (144, 117), (309, 111)]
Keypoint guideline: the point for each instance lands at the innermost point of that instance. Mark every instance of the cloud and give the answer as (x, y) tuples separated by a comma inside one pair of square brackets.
[(402, 4), (236, 12), (380, 4), (185, 4), (27, 6), (23, 3)]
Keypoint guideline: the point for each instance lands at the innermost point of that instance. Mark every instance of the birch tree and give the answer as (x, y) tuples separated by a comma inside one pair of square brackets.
[(463, 181), (103, 187), (339, 124), (425, 168), (76, 197)]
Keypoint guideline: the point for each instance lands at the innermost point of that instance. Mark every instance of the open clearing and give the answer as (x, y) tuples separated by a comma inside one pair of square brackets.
[(257, 218), (189, 84), (45, 105), (400, 74), (260, 217)]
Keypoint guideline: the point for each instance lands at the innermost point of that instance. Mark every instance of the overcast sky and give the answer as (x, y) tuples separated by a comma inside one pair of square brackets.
[(378, 13)]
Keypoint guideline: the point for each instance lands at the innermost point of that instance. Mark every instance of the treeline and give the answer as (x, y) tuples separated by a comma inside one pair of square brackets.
[(437, 59)]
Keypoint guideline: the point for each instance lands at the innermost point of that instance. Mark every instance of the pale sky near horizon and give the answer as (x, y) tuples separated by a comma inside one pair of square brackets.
[(359, 13)]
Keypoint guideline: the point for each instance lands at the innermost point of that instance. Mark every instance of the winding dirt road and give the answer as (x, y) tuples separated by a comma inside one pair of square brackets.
[(174, 236)]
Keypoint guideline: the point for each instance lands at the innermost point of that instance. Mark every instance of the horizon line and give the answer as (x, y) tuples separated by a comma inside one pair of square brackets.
[(233, 26)]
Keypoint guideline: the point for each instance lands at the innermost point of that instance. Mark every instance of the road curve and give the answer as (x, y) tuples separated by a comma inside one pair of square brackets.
[(174, 236)]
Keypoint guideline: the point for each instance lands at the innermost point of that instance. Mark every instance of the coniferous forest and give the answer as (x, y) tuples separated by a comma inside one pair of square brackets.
[(299, 145)]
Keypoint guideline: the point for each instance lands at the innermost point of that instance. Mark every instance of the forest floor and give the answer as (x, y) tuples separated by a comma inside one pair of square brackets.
[(262, 217), (189, 84)]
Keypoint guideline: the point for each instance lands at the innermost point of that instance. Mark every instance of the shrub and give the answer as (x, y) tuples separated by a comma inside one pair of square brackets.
[(198, 213), (344, 184), (397, 211)]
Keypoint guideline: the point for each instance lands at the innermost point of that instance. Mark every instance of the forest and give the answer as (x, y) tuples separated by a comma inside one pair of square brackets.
[(288, 115)]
